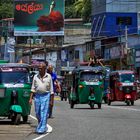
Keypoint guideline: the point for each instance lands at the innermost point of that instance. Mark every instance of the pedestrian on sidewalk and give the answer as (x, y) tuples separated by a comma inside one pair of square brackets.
[(42, 88), (55, 85)]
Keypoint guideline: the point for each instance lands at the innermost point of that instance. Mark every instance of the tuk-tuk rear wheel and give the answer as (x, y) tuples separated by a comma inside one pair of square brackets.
[(128, 103), (71, 104), (99, 105), (25, 119), (105, 100), (16, 118), (109, 102), (132, 102), (91, 104)]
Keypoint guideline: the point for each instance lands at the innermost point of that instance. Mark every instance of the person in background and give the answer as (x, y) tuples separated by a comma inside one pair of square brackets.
[(58, 87), (42, 88), (94, 61), (55, 84)]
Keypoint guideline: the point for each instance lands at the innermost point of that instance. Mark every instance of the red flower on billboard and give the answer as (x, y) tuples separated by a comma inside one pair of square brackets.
[(53, 22)]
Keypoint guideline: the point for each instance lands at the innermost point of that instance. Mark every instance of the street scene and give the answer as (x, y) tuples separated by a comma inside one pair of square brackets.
[(70, 70), (114, 122)]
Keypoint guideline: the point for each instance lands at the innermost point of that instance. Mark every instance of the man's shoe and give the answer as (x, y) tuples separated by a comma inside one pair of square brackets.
[(41, 133)]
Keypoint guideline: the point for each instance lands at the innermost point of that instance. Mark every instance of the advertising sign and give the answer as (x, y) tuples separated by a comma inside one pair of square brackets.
[(39, 18)]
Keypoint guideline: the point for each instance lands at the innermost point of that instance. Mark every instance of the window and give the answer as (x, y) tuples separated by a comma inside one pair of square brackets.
[(124, 20), (77, 54)]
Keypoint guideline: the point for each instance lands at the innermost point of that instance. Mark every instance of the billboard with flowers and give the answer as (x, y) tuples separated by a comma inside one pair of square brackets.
[(39, 18)]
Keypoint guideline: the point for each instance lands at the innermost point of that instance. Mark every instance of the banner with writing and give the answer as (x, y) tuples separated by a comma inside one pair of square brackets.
[(39, 18)]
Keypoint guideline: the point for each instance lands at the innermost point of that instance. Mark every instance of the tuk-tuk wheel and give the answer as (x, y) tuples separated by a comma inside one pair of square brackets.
[(99, 105), (25, 119), (91, 104), (71, 104), (108, 102), (16, 118), (61, 98), (128, 103), (105, 100), (132, 102)]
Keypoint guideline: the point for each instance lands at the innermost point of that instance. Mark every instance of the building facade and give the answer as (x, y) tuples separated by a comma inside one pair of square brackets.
[(116, 23)]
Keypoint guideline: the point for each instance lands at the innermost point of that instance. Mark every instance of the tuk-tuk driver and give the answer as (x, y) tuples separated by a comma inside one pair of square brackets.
[(42, 88)]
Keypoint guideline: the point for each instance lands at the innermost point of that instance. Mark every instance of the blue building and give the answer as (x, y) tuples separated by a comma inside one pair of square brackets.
[(116, 23)]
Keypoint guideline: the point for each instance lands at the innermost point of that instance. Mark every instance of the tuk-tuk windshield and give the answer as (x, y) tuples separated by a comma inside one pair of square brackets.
[(90, 76), (14, 77), (127, 78)]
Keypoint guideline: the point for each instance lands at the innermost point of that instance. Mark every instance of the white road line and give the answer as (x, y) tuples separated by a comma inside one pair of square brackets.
[(40, 137), (123, 108), (48, 131)]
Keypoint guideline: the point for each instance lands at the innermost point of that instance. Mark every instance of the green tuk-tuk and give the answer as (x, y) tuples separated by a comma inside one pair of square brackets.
[(15, 86), (88, 86)]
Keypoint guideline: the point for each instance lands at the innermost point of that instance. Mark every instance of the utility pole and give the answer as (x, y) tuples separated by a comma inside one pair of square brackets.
[(126, 37), (30, 56), (120, 45), (45, 48), (126, 45)]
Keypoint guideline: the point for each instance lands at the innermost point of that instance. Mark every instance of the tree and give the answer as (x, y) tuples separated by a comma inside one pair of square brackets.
[(6, 9), (86, 14), (83, 9)]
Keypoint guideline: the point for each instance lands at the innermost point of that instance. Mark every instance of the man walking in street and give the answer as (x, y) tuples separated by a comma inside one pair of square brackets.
[(42, 88), (54, 78)]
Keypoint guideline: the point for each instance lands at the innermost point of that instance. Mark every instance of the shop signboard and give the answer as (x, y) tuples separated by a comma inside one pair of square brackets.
[(137, 57), (114, 52), (107, 54), (39, 18)]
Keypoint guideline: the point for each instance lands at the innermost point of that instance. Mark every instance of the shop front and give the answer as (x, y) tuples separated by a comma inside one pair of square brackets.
[(114, 56)]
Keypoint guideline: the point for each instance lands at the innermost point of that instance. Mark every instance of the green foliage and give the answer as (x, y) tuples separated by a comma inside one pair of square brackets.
[(78, 9), (86, 13), (69, 2), (70, 12), (6, 9)]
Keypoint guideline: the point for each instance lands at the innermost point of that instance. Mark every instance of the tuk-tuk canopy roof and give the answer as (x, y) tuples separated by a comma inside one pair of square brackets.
[(122, 72), (89, 68), (15, 65)]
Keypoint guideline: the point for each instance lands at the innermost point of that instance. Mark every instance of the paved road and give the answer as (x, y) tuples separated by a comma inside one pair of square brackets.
[(115, 122)]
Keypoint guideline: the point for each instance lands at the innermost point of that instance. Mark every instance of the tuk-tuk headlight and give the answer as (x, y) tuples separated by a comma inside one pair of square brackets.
[(26, 94), (2, 92), (81, 86)]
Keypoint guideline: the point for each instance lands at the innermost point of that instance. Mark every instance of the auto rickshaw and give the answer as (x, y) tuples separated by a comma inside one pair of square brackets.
[(122, 86), (87, 86), (64, 91), (15, 88)]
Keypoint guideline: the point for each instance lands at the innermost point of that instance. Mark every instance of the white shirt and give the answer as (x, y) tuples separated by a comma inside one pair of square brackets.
[(42, 85)]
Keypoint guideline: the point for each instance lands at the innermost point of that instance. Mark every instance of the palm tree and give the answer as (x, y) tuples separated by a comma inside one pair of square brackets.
[(83, 9)]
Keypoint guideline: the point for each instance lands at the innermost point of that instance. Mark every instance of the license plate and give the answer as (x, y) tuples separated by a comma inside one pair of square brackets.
[(13, 85), (127, 84), (92, 83)]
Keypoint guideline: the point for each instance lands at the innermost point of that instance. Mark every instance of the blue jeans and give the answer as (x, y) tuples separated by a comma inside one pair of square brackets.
[(41, 109)]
